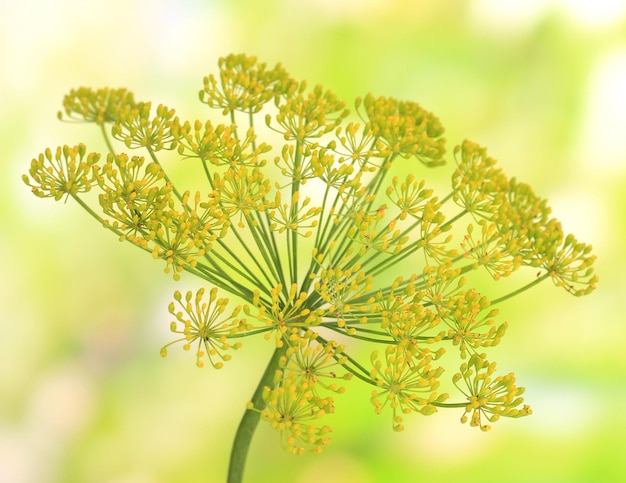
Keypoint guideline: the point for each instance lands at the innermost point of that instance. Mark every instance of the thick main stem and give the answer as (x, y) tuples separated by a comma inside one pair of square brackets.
[(250, 420)]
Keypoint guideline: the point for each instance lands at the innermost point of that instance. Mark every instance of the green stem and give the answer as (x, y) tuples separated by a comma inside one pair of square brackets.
[(250, 420), (106, 139), (450, 405), (292, 245), (521, 289)]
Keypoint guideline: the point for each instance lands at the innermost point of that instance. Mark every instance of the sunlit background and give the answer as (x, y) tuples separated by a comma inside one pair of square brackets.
[(84, 395)]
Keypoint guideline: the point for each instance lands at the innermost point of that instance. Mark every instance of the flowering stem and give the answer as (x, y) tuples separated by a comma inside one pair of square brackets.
[(521, 289), (449, 405), (240, 238), (106, 139), (250, 420)]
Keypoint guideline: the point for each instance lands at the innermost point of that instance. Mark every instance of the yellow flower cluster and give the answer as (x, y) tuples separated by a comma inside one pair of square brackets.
[(296, 402), (99, 106), (516, 225), (136, 128), (245, 85), (405, 128), (488, 397), (406, 384), (203, 323), (324, 234), (292, 408), (67, 172)]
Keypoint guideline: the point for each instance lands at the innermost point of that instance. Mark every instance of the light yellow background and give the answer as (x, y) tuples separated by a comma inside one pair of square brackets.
[(84, 395)]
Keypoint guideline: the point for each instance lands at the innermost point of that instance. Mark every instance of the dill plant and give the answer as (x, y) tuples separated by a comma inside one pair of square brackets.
[(319, 240)]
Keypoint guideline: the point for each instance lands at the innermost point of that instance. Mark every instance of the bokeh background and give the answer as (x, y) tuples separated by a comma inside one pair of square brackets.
[(84, 395)]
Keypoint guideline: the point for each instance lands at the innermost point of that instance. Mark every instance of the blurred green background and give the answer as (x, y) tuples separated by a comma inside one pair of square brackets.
[(84, 395)]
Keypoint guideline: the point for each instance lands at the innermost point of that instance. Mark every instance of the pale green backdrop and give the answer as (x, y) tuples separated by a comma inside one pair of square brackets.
[(84, 395)]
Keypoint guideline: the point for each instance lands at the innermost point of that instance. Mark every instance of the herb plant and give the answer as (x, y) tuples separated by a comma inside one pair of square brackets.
[(323, 241)]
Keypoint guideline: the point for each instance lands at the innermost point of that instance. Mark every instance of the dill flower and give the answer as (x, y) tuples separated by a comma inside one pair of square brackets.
[(67, 172), (203, 323), (135, 128), (488, 397), (320, 239), (405, 383), (98, 106), (293, 409)]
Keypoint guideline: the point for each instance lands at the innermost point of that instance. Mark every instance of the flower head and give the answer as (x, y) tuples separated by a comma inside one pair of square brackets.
[(133, 192), (294, 410), (203, 324), (136, 128), (405, 127), (331, 249), (99, 106), (405, 384), (302, 117), (67, 172), (218, 145), (488, 397), (244, 85), (316, 363)]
